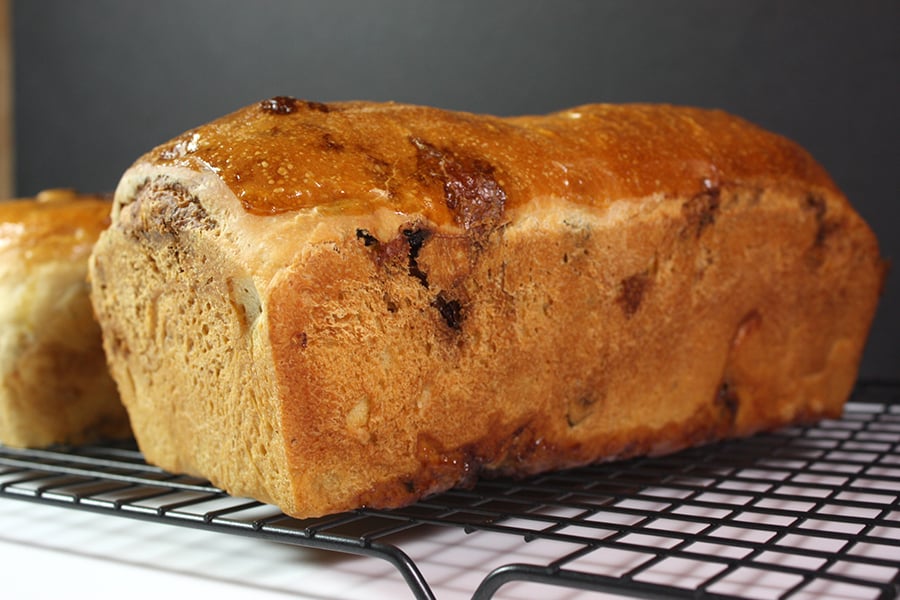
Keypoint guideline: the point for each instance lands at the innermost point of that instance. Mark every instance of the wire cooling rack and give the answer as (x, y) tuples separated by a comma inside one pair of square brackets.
[(804, 512)]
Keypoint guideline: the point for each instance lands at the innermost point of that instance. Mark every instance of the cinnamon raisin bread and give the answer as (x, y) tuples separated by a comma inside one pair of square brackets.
[(330, 306), (54, 384)]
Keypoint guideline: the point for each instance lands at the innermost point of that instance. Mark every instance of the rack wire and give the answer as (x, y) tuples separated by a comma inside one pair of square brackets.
[(802, 512)]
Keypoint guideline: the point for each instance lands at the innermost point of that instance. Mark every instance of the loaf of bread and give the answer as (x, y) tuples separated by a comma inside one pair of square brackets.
[(54, 384), (331, 306)]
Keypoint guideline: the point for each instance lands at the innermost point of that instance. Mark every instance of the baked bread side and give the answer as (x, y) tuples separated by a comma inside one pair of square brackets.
[(54, 384), (345, 305)]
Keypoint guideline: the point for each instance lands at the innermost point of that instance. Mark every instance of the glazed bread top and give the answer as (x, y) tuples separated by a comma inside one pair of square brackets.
[(462, 170), (57, 224)]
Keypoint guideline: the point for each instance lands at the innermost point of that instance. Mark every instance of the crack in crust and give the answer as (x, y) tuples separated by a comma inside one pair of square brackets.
[(410, 242), (416, 238)]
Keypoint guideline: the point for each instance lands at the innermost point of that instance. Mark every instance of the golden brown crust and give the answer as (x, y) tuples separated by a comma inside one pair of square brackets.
[(56, 224), (54, 384), (451, 167), (391, 300), (597, 341)]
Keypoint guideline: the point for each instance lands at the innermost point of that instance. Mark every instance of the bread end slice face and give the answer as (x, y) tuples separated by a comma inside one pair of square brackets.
[(186, 338), (329, 362)]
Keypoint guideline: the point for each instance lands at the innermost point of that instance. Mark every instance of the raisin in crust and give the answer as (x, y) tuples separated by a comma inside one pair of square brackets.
[(329, 306)]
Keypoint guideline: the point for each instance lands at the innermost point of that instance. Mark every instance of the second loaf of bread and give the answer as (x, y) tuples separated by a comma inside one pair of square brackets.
[(353, 304), (54, 384)]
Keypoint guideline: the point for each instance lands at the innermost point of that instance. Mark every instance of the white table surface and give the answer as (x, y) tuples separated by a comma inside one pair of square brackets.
[(49, 552), (54, 552)]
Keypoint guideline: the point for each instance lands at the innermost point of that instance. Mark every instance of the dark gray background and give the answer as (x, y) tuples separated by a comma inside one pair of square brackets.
[(100, 82)]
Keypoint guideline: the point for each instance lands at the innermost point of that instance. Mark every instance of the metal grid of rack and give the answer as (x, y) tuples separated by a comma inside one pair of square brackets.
[(803, 512)]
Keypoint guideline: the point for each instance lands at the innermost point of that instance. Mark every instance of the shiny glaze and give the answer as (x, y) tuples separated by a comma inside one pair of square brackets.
[(284, 154), (55, 224)]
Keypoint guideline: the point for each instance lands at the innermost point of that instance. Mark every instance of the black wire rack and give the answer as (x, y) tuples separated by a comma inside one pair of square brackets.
[(803, 512)]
